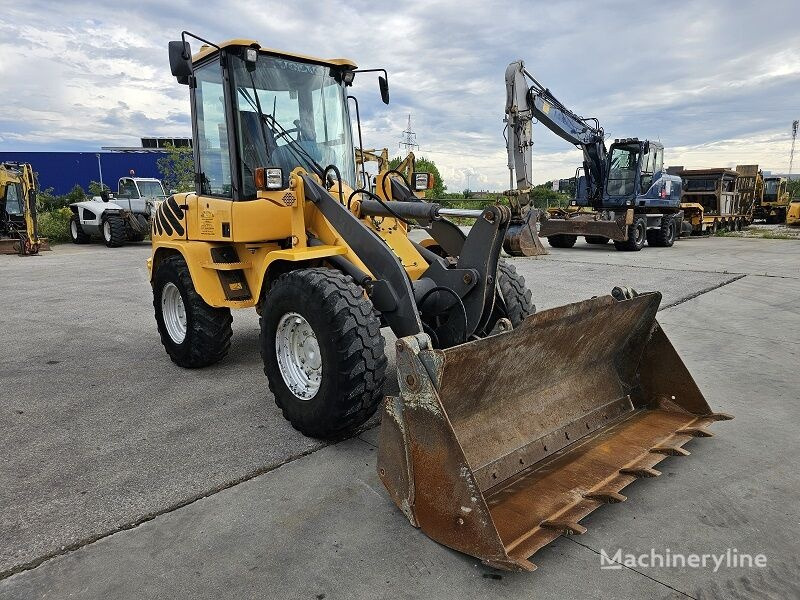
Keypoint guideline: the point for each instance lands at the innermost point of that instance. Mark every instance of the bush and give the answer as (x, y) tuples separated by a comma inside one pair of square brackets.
[(54, 225)]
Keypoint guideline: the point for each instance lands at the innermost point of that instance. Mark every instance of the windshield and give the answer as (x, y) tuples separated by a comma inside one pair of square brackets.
[(622, 171), (771, 189), (150, 189), (306, 119)]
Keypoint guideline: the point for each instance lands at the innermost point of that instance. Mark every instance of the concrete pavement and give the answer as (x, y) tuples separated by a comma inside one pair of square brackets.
[(113, 435)]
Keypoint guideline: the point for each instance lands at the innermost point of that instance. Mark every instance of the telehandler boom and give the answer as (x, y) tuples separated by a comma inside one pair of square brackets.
[(481, 455)]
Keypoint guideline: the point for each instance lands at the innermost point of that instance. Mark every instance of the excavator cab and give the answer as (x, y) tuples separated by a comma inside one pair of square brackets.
[(19, 230)]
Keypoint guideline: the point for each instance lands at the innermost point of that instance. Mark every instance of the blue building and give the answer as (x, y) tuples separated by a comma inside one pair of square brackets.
[(63, 170)]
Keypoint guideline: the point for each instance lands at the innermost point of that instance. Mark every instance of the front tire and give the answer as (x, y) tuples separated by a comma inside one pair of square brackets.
[(664, 236), (515, 294), (637, 235), (562, 240), (193, 333), (113, 229), (323, 351), (76, 232)]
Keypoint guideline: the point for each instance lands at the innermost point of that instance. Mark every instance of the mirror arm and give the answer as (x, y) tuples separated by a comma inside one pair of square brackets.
[(198, 38)]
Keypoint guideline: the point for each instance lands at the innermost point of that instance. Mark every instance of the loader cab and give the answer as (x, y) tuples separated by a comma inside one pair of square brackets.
[(774, 189), (254, 109)]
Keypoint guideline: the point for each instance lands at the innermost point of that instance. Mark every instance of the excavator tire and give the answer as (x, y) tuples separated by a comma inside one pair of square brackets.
[(562, 240), (664, 236), (114, 234), (347, 386), (207, 329), (637, 235), (76, 232)]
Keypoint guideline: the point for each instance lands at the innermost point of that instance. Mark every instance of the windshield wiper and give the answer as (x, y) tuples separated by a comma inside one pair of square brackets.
[(300, 153)]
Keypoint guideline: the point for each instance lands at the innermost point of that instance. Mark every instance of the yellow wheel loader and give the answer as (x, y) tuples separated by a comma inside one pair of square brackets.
[(483, 456), (19, 233)]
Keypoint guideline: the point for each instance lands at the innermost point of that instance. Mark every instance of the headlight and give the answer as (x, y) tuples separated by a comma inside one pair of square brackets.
[(269, 178), (422, 181)]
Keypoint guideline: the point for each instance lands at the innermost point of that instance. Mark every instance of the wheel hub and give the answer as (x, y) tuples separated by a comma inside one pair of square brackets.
[(173, 312), (299, 357), (107, 231)]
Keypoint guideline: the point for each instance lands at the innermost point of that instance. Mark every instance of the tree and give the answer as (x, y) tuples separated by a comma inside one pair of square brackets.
[(96, 188), (177, 169), (427, 166)]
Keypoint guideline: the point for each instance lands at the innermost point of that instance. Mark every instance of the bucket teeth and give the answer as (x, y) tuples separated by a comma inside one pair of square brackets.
[(719, 417), (565, 527), (670, 450), (695, 432), (606, 496), (640, 471)]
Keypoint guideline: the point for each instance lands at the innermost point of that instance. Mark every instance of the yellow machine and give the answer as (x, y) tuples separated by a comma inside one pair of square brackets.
[(793, 213), (405, 169), (775, 201), (277, 223), (18, 226)]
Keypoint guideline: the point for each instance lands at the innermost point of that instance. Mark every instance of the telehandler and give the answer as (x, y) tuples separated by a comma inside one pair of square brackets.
[(486, 458), (19, 228)]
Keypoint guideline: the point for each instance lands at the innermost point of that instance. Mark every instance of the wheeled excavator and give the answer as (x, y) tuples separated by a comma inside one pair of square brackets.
[(19, 229), (624, 194), (486, 457)]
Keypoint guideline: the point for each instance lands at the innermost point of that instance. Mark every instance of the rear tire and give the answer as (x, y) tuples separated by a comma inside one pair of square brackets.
[(339, 368), (76, 232), (664, 236), (562, 241), (596, 239), (637, 235), (113, 229), (206, 330)]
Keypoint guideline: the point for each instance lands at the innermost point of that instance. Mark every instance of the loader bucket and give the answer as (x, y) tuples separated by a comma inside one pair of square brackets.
[(498, 446)]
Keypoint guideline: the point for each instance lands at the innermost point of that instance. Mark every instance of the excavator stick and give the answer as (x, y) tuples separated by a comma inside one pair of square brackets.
[(496, 463)]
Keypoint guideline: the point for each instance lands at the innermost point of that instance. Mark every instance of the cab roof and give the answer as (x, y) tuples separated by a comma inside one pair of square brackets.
[(207, 50)]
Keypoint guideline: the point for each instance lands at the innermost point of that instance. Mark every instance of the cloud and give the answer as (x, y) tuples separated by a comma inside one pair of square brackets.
[(717, 86)]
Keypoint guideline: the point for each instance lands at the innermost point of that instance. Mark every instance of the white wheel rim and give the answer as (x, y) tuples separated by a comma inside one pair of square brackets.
[(299, 357), (174, 312), (107, 231), (73, 229)]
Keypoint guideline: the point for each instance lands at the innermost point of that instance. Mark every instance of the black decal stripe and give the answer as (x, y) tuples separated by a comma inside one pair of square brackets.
[(175, 208), (164, 223), (173, 220), (157, 225)]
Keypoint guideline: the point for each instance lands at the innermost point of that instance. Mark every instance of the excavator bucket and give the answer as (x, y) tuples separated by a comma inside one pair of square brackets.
[(497, 462), (521, 238)]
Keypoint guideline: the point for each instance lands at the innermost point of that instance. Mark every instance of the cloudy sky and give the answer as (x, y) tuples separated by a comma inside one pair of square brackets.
[(717, 82)]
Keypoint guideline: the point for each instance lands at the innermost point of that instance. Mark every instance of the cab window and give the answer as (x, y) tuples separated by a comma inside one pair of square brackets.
[(127, 189), (212, 132), (622, 171), (13, 199)]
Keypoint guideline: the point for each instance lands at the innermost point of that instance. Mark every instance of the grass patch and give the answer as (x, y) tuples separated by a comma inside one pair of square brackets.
[(763, 234), (54, 225)]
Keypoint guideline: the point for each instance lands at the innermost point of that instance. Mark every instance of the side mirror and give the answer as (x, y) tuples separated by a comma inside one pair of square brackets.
[(384, 85), (105, 195), (646, 148), (180, 61)]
